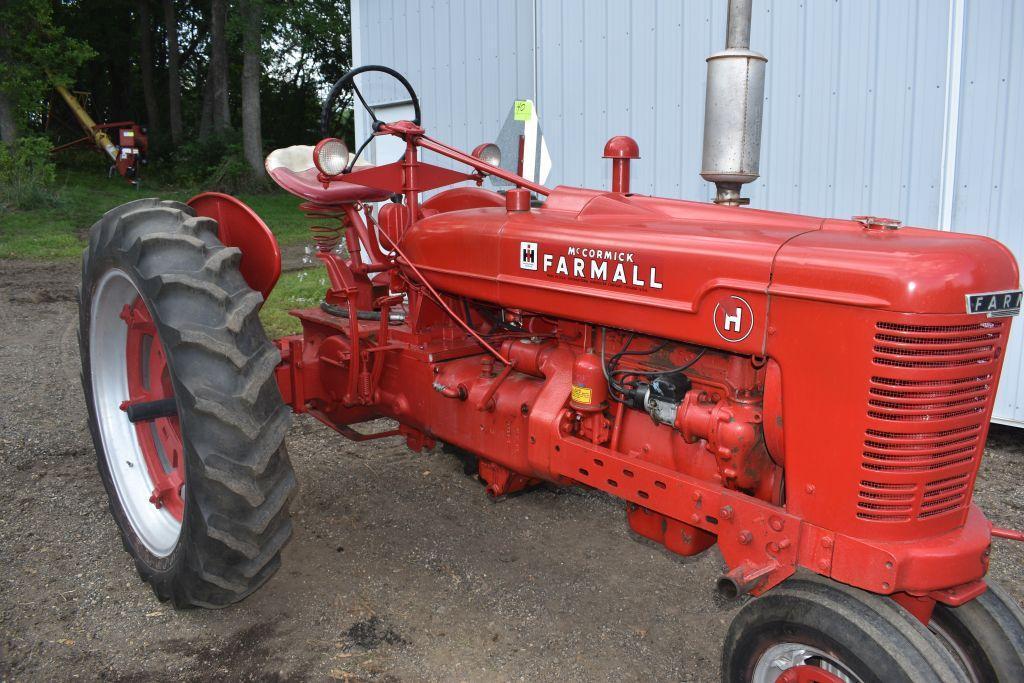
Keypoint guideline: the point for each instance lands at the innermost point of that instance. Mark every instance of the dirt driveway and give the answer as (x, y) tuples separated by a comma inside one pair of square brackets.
[(400, 567)]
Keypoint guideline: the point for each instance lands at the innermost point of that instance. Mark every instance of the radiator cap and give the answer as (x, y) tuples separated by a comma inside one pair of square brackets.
[(878, 223)]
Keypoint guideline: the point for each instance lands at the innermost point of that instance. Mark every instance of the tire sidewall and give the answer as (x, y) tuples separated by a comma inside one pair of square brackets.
[(811, 626), (151, 566)]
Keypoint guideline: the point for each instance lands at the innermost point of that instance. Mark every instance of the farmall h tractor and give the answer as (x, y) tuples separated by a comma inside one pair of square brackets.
[(813, 395)]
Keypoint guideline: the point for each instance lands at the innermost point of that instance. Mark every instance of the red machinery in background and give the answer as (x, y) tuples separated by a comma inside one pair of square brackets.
[(126, 155), (810, 395)]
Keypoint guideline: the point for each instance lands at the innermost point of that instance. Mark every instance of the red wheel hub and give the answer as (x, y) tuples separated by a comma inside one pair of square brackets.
[(159, 437), (808, 674)]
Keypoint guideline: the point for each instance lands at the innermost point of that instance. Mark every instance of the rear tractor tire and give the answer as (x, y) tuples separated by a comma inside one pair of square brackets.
[(810, 629), (184, 410)]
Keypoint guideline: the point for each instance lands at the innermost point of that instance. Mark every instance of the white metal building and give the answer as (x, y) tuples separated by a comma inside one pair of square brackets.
[(912, 109)]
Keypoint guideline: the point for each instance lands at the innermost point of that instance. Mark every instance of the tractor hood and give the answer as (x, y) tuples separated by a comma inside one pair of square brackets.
[(907, 270), (669, 268)]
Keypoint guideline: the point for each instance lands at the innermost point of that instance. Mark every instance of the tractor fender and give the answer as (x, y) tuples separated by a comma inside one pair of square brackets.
[(240, 227)]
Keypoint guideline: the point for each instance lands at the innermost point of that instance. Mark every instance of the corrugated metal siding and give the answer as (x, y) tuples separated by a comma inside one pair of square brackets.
[(467, 60), (855, 110), (989, 179), (854, 99)]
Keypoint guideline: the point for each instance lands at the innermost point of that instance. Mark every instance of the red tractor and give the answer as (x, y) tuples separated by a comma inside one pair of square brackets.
[(813, 395)]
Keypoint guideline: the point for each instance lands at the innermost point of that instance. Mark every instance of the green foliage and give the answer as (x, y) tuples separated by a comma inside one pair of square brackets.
[(217, 164), (86, 193), (311, 41), (306, 48), (291, 113), (27, 174), (234, 175), (111, 76), (94, 47), (310, 48), (34, 52)]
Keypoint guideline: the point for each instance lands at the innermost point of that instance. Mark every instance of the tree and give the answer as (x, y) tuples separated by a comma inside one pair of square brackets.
[(312, 41), (206, 110), (113, 77), (312, 50), (173, 74), (8, 129), (252, 137), (34, 55), (218, 72), (146, 65)]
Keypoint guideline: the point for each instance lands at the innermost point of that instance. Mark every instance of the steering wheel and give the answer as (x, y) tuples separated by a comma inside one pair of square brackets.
[(348, 81)]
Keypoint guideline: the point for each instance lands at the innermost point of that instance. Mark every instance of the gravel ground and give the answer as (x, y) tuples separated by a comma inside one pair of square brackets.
[(400, 567)]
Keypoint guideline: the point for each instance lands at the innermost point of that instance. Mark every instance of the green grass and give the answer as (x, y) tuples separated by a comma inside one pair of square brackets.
[(85, 194), (297, 289), (281, 213)]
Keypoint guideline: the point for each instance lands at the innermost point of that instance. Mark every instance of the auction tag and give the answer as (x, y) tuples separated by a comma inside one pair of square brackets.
[(523, 109)]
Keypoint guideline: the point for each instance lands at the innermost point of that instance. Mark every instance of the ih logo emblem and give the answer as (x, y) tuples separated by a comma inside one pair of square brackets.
[(528, 255), (734, 319)]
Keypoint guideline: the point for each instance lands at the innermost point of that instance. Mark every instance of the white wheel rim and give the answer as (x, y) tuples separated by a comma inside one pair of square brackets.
[(782, 656), (108, 334)]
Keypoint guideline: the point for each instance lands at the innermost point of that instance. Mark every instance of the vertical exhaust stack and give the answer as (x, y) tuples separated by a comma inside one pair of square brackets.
[(732, 110)]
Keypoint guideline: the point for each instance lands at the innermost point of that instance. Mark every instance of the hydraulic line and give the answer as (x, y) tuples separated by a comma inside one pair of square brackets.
[(393, 318)]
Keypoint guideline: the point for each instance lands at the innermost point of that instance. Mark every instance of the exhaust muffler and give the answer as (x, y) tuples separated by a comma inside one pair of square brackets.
[(733, 110)]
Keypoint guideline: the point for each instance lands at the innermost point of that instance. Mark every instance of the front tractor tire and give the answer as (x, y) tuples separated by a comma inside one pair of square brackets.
[(184, 410), (986, 635), (811, 629)]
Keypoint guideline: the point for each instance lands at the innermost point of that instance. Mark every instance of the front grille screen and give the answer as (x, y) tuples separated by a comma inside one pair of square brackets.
[(927, 409)]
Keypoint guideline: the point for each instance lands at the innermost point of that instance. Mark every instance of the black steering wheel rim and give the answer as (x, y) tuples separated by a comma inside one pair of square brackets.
[(347, 81)]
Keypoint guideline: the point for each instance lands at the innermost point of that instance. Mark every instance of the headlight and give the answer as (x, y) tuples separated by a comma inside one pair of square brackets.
[(330, 156), (489, 153)]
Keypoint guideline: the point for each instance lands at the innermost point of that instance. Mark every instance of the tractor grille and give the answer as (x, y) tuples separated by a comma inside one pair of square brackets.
[(927, 408)]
